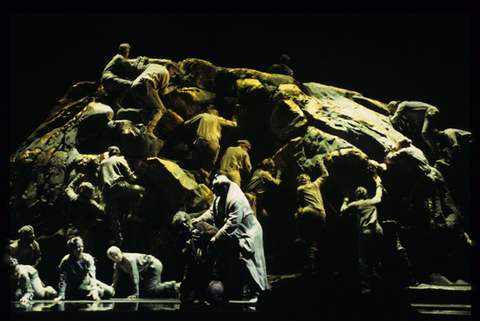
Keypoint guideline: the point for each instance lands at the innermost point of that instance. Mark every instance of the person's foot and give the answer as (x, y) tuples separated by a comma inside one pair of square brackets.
[(50, 292), (253, 298), (176, 287)]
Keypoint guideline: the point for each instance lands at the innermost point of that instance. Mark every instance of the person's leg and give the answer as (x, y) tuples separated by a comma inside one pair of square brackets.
[(314, 223), (153, 281), (427, 135), (38, 289), (136, 194), (116, 84), (214, 151), (364, 250), (187, 287), (152, 99), (199, 152), (377, 249), (113, 213), (116, 89), (41, 292), (139, 92)]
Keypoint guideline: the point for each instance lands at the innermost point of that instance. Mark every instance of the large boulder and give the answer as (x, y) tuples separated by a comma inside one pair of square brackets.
[(296, 124), (197, 73), (174, 187), (329, 110), (188, 101)]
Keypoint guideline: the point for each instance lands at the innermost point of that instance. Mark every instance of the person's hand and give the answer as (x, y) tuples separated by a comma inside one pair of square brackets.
[(377, 179), (213, 239), (133, 296), (94, 295), (59, 298), (194, 220), (24, 300)]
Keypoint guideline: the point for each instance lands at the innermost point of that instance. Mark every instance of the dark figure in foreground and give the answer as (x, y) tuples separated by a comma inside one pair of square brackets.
[(281, 67), (117, 75), (311, 216), (436, 222), (78, 276), (118, 182), (262, 179), (370, 233), (419, 114), (200, 281), (26, 283), (83, 209), (26, 250), (145, 273), (455, 146), (429, 183), (239, 237)]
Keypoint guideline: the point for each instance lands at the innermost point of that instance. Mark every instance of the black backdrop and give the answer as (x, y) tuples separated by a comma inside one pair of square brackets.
[(425, 57), (384, 56)]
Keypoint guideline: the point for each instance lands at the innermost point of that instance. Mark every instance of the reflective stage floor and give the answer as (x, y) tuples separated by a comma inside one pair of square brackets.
[(421, 302), (122, 305)]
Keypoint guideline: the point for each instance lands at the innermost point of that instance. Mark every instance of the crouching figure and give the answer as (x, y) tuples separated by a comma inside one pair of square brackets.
[(145, 273), (201, 281)]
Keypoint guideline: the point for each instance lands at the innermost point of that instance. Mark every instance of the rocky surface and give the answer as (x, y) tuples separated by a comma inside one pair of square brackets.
[(296, 124)]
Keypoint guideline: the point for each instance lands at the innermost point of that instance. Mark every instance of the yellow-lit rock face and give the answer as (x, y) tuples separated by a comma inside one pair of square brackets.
[(198, 73), (298, 125), (287, 120), (330, 110), (181, 186), (248, 85), (188, 101), (272, 111), (252, 92), (169, 122), (263, 77), (98, 108)]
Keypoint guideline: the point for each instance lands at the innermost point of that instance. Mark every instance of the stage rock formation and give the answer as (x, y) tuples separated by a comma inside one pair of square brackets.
[(296, 124)]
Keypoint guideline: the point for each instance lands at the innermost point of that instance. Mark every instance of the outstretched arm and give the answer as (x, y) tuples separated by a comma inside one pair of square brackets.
[(227, 123), (379, 191), (398, 113), (346, 197), (70, 190), (325, 173), (344, 205)]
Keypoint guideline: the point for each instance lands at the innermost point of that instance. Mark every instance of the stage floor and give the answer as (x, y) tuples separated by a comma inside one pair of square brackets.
[(122, 305), (421, 302)]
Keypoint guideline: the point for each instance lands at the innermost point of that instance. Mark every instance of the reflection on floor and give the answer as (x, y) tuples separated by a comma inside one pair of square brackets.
[(122, 305), (419, 302), (127, 309), (105, 305)]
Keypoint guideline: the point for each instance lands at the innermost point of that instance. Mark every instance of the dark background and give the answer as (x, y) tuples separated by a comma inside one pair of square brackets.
[(424, 57), (385, 56)]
